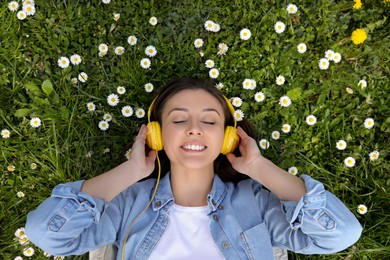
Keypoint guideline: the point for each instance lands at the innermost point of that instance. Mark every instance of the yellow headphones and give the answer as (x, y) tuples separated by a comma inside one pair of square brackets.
[(155, 142)]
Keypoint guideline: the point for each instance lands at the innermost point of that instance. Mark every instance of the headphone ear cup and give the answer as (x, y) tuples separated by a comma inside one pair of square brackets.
[(153, 136), (230, 140)]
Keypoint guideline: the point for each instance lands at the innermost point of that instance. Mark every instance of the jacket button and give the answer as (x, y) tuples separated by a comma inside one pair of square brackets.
[(214, 202), (225, 245), (158, 204), (215, 217), (220, 207)]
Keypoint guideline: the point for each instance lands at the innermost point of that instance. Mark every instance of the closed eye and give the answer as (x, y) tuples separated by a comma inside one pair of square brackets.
[(209, 123), (179, 122)]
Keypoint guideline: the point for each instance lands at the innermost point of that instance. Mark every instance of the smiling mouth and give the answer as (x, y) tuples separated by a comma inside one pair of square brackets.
[(194, 147)]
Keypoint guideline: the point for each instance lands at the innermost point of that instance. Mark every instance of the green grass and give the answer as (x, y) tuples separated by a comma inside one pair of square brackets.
[(33, 85)]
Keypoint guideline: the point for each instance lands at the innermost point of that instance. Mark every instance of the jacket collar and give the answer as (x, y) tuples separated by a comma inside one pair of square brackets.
[(164, 193)]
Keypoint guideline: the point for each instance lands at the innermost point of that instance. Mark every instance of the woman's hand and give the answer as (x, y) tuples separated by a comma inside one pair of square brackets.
[(250, 153), (145, 164)]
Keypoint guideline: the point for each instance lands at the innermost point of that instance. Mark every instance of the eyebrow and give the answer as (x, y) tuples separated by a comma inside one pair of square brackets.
[(186, 110)]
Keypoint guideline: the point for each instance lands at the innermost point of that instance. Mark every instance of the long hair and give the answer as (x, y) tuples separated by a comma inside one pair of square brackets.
[(222, 166)]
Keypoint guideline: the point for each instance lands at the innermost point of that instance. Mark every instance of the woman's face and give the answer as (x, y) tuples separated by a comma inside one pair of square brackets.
[(192, 129)]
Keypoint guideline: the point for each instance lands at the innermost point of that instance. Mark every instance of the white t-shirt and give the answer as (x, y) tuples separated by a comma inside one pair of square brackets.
[(187, 236)]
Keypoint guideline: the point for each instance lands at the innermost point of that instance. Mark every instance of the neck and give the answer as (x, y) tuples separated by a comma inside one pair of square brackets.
[(190, 188)]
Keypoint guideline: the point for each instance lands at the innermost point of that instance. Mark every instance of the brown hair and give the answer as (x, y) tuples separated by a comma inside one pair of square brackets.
[(222, 166)]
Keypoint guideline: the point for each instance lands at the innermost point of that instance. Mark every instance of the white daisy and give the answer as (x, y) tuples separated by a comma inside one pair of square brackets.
[(259, 96), (285, 101), (74, 81), (11, 168), (362, 209), (280, 27), (127, 111), (222, 49), (106, 150), (214, 73), (323, 64), (63, 62), (91, 106), (151, 51), (21, 15), (107, 117), (369, 123), (249, 84), (302, 48), (216, 28), (219, 86), (329, 54), (149, 87), (121, 90), (209, 25), (236, 101), (264, 144), (293, 170), (13, 6), (362, 83), (292, 9), (201, 53), (29, 9), (33, 166), (83, 77), (140, 113), (75, 59), (113, 99), (275, 135), (238, 115), (106, 1), (311, 120), (336, 57), (153, 20), (349, 90), (374, 155), (5, 133), (103, 47), (198, 43), (245, 34), (101, 54), (18, 258), (28, 251), (209, 64), (20, 194), (117, 16), (128, 154), (280, 80), (35, 122), (132, 40), (20, 232), (350, 161), (103, 125), (341, 144), (119, 50), (286, 128), (145, 63), (23, 239)]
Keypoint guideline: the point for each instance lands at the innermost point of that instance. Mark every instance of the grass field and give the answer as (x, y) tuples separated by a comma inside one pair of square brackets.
[(308, 73)]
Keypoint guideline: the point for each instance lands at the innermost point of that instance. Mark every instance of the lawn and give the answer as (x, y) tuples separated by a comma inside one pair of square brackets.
[(77, 78)]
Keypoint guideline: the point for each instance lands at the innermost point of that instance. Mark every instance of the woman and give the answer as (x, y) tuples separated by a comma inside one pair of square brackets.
[(208, 205)]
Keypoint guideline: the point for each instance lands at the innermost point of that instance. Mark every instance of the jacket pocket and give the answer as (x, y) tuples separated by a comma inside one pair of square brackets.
[(257, 242), (63, 215)]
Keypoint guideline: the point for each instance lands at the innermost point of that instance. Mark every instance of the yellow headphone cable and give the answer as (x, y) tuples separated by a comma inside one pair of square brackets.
[(143, 211)]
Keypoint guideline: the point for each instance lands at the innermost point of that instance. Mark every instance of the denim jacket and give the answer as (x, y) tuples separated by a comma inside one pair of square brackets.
[(246, 220)]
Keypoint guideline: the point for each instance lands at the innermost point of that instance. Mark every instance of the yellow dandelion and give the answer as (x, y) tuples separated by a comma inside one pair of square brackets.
[(359, 36), (357, 5)]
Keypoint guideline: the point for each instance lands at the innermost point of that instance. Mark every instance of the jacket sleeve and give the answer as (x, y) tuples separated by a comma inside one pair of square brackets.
[(70, 222), (318, 224)]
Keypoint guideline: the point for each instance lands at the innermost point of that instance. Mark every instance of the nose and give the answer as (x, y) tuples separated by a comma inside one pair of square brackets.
[(194, 129)]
